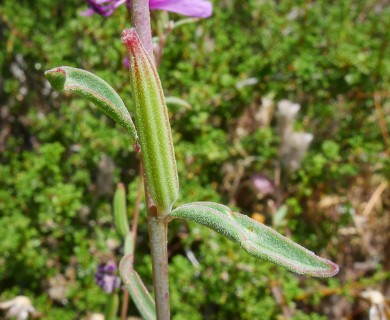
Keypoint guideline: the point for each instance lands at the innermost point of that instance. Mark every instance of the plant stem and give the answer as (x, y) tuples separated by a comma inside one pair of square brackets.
[(125, 304), (158, 228), (140, 17)]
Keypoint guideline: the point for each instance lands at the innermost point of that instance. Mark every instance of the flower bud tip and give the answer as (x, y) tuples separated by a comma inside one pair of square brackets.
[(129, 37)]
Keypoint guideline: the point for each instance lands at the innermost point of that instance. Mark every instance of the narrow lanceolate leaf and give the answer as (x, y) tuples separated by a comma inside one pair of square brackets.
[(256, 238), (138, 292), (152, 123), (120, 211), (175, 101), (96, 90)]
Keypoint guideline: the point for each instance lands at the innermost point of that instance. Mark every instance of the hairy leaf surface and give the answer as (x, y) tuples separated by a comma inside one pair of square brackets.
[(256, 238), (96, 90)]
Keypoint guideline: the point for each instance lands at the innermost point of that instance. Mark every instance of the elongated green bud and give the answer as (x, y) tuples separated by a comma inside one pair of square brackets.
[(129, 244), (112, 307), (120, 211), (152, 123)]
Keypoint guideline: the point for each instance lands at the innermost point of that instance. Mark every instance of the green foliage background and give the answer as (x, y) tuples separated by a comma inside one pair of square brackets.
[(331, 57)]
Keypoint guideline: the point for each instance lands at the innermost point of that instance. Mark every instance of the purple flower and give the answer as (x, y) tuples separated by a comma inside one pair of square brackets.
[(105, 277), (263, 184), (103, 7), (190, 8)]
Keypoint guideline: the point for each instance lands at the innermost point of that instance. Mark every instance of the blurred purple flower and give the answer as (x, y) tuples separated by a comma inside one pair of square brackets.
[(263, 184), (190, 8), (105, 277)]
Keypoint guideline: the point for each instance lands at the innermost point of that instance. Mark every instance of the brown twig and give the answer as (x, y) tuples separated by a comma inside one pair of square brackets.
[(281, 300), (374, 198), (162, 40), (125, 304), (381, 120)]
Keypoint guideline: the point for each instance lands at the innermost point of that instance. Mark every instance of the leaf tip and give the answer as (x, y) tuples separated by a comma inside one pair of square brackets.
[(333, 269), (56, 77), (330, 270)]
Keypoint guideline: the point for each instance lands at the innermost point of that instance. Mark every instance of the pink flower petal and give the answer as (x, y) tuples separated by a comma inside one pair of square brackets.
[(191, 8)]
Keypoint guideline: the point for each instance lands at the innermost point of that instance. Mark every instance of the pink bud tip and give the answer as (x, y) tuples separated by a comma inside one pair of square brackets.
[(130, 37)]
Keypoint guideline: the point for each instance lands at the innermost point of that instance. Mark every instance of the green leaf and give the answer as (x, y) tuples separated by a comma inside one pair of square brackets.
[(256, 238), (138, 292), (176, 101), (183, 22), (96, 90)]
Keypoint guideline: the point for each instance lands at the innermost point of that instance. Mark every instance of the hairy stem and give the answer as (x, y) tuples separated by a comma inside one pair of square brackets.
[(140, 17), (158, 228)]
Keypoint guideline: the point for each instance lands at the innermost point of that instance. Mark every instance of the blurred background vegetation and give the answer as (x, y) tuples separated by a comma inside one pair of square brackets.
[(61, 157)]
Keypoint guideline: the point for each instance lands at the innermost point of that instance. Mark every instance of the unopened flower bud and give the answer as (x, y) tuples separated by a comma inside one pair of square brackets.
[(120, 211), (152, 123)]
